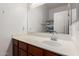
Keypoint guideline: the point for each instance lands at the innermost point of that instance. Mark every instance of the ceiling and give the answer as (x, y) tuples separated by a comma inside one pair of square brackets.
[(54, 5)]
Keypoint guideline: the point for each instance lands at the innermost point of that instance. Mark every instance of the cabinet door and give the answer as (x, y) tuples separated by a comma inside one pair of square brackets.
[(15, 51), (30, 54), (48, 53), (23, 45), (35, 51), (22, 53), (15, 42)]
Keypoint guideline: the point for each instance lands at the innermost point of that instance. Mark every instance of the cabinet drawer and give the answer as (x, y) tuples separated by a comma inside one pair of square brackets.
[(48, 53), (23, 45), (35, 51), (22, 53), (15, 42)]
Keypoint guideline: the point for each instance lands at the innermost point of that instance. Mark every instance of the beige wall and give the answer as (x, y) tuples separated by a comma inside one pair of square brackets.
[(13, 17)]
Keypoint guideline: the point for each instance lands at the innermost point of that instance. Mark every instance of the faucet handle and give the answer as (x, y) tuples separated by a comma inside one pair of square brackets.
[(54, 32), (53, 37)]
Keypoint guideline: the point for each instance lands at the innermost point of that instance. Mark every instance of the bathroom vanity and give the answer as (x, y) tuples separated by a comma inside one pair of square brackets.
[(26, 49), (40, 44)]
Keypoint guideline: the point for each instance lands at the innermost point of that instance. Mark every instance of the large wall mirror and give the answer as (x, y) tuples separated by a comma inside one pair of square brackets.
[(51, 17)]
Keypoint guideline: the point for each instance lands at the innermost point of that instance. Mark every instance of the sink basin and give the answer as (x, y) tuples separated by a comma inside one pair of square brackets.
[(51, 43)]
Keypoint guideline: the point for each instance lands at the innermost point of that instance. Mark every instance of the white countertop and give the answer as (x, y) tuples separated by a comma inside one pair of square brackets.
[(37, 39)]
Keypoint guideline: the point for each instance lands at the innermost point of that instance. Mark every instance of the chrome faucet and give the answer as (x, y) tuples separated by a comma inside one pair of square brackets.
[(53, 37)]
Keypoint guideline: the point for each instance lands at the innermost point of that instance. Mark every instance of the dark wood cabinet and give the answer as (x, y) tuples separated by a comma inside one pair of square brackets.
[(23, 49), (35, 50), (15, 42), (22, 52), (15, 51), (15, 47), (29, 54), (23, 45), (48, 53)]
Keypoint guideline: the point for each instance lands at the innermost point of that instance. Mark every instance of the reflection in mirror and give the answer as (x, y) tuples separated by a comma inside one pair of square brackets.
[(51, 17)]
